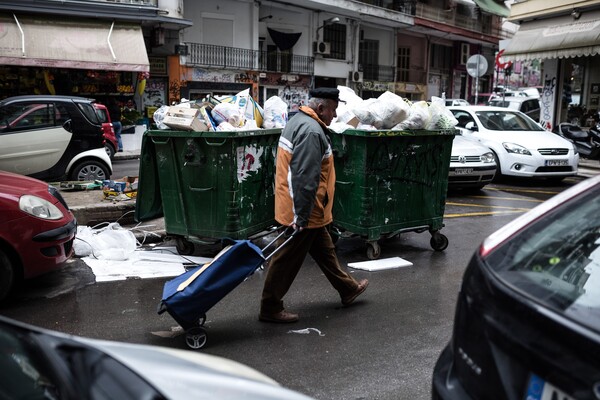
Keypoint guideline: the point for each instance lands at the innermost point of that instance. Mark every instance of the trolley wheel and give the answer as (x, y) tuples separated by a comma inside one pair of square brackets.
[(373, 250), (184, 246), (438, 242), (195, 338)]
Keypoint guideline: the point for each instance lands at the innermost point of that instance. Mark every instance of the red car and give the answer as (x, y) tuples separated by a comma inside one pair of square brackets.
[(37, 229), (110, 139)]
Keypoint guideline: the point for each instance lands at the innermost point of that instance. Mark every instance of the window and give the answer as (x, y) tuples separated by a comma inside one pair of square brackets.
[(440, 57), (335, 34), (554, 259), (403, 70), (369, 59)]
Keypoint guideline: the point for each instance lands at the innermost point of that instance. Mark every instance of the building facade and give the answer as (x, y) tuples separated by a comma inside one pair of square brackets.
[(161, 51)]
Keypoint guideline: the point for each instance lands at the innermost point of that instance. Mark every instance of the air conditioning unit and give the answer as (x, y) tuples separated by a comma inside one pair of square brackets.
[(356, 76), (322, 48)]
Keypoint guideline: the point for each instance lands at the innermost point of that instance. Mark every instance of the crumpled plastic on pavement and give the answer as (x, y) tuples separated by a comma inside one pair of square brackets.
[(110, 242)]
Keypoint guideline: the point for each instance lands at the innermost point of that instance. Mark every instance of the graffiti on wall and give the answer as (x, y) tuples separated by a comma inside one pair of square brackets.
[(294, 97), (547, 101), (154, 93)]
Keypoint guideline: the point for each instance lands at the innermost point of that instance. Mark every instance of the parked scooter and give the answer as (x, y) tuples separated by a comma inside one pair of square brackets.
[(587, 142)]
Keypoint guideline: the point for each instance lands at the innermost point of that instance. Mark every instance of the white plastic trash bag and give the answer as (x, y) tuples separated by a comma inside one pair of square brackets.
[(418, 117), (389, 110), (228, 112), (441, 117), (159, 116), (111, 242), (275, 113)]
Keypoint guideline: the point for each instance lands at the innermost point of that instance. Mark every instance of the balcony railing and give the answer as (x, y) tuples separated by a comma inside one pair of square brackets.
[(237, 58)]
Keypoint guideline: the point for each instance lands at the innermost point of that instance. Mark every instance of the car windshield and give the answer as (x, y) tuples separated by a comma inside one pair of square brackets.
[(507, 121), (556, 260)]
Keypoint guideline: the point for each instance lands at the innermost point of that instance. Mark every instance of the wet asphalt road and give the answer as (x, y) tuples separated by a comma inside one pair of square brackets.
[(382, 347)]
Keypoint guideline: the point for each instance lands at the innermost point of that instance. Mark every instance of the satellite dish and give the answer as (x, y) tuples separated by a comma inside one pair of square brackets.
[(477, 65)]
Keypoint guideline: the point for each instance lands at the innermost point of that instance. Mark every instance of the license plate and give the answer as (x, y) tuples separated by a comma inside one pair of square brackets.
[(556, 163), (538, 389), (463, 171)]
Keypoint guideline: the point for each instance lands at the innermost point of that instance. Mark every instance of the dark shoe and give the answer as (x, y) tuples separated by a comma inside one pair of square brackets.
[(282, 317), (362, 285), (120, 151)]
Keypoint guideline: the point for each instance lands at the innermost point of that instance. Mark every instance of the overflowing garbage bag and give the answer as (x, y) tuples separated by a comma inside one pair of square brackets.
[(241, 112)]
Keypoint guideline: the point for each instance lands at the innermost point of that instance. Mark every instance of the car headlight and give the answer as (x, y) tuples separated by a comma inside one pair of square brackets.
[(515, 148), (487, 157), (39, 207)]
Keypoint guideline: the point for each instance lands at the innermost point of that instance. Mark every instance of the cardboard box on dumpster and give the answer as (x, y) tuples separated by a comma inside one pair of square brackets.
[(184, 119)]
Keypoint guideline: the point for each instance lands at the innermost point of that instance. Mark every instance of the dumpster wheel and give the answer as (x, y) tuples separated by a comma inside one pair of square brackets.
[(195, 338), (439, 241), (184, 246), (373, 250)]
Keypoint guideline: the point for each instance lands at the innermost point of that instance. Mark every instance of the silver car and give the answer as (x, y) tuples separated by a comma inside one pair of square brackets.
[(43, 364), (472, 166)]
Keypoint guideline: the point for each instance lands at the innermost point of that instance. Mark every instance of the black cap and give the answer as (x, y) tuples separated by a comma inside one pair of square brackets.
[(325, 93)]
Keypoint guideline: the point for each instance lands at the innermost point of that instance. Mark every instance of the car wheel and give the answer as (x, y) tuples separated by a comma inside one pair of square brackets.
[(110, 150), (7, 275), (89, 170)]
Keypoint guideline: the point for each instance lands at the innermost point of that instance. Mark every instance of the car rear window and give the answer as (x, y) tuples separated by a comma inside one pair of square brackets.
[(556, 260), (90, 112)]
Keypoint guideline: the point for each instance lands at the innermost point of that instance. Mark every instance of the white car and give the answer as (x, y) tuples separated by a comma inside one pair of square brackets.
[(521, 147), (472, 165)]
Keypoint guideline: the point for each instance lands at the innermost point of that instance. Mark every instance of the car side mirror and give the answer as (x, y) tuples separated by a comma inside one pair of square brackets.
[(471, 126)]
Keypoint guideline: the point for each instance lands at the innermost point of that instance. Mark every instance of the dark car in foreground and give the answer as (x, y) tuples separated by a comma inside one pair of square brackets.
[(527, 322), (37, 230), (52, 138), (43, 364)]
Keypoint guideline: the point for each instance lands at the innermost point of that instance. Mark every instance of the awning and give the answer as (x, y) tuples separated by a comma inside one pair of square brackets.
[(492, 7), (81, 44), (555, 38)]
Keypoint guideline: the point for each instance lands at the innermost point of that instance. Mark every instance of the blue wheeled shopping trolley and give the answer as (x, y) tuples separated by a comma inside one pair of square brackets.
[(189, 296)]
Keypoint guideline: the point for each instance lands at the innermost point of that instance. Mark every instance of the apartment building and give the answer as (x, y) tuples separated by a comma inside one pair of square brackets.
[(160, 51)]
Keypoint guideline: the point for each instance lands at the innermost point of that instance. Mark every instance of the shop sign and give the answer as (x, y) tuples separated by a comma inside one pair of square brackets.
[(158, 66)]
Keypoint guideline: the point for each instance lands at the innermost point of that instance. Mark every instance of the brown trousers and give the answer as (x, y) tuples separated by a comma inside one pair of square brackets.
[(286, 263)]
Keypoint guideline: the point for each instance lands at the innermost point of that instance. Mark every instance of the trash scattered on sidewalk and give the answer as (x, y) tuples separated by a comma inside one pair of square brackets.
[(156, 263), (78, 185), (120, 189), (306, 331), (378, 265)]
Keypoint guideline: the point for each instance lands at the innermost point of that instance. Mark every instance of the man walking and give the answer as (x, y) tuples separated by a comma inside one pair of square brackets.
[(304, 189)]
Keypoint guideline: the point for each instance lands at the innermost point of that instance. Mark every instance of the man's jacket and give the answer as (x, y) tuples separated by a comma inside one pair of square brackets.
[(305, 175)]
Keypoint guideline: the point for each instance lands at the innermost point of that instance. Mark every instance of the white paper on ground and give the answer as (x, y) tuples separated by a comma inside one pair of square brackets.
[(142, 264), (378, 265)]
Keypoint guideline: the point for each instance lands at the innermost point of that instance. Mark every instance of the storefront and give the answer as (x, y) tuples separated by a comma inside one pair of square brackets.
[(569, 46), (90, 58)]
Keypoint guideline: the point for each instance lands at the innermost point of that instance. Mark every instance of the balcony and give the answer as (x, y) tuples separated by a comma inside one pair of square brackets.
[(207, 55), (486, 24)]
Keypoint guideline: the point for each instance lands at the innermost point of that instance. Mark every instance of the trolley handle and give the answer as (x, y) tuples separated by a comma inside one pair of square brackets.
[(286, 234)]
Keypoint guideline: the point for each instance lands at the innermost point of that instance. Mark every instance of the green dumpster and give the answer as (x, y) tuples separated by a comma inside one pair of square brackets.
[(389, 182), (208, 185)]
